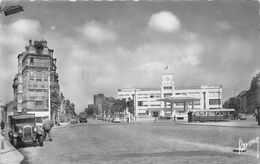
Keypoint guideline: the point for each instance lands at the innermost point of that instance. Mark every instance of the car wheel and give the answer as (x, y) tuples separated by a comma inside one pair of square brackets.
[(15, 143), (12, 141)]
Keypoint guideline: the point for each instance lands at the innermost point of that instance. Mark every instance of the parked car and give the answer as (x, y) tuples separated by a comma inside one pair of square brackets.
[(117, 120), (241, 116), (73, 121), (24, 130), (83, 118), (99, 117), (108, 118)]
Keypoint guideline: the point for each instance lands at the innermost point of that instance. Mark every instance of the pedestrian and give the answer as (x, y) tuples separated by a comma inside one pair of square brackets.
[(2, 126), (47, 125)]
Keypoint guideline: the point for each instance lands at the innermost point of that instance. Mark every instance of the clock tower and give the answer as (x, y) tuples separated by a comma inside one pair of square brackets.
[(167, 86)]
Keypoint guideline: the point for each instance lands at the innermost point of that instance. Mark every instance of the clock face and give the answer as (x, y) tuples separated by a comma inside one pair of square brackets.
[(167, 78)]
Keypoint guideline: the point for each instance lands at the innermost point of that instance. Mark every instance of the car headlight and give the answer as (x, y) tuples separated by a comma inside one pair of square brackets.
[(20, 131)]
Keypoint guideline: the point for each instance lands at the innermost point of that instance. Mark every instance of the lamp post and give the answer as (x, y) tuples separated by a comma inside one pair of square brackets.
[(134, 99)]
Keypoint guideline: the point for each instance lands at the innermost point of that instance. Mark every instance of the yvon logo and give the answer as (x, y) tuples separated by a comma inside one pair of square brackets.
[(243, 146)]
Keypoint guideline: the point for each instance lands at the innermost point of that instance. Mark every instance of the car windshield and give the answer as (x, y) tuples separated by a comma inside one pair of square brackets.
[(25, 121)]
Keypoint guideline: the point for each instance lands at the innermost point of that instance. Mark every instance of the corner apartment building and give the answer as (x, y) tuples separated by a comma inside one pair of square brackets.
[(146, 98), (36, 72)]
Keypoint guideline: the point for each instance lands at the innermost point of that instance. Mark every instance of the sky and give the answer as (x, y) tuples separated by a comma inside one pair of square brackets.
[(101, 46)]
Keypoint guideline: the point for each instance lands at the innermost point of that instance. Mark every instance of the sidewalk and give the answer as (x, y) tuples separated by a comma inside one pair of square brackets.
[(62, 125), (9, 154)]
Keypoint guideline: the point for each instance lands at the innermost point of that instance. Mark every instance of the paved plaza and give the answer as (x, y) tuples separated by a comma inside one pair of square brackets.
[(103, 142)]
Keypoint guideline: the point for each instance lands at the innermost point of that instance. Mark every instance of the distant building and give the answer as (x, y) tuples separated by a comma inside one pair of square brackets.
[(36, 72), (103, 104), (146, 98), (253, 94), (99, 100)]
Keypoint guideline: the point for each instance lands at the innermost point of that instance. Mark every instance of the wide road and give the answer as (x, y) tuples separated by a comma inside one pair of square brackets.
[(101, 142)]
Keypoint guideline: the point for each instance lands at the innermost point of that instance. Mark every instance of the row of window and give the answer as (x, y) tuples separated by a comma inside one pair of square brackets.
[(167, 88), (141, 95), (38, 77), (214, 101)]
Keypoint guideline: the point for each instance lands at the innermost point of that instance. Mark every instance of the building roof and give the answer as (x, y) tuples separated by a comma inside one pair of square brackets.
[(175, 88), (179, 99)]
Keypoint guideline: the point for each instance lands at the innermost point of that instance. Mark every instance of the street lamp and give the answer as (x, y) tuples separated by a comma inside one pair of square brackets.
[(8, 10)]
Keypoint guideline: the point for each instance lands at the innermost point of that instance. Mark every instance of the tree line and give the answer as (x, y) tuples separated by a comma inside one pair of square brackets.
[(111, 107)]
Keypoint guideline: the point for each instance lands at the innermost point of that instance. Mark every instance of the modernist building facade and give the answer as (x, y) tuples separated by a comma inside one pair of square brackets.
[(146, 99), (36, 73)]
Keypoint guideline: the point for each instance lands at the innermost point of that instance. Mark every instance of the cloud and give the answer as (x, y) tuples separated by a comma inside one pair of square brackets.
[(25, 27), (14, 37), (164, 21), (191, 54), (53, 27), (223, 25), (96, 32), (151, 67)]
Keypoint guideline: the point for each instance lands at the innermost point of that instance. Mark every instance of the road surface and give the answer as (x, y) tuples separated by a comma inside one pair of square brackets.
[(101, 142)]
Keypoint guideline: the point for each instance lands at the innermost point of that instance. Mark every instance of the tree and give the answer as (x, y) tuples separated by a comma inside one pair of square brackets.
[(90, 111), (130, 105), (55, 100), (67, 106), (70, 109), (118, 106), (233, 103)]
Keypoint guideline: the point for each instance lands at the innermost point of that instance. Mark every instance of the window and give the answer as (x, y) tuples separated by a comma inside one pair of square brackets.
[(38, 78), (167, 88), (214, 101), (31, 77), (140, 103), (167, 94), (31, 61), (196, 102), (179, 104), (45, 78)]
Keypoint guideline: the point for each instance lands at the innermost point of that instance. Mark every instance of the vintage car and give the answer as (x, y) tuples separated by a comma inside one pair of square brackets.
[(116, 120), (83, 118), (24, 130)]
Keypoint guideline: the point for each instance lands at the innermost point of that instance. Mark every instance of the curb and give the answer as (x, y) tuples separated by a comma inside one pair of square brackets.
[(8, 153), (60, 127)]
